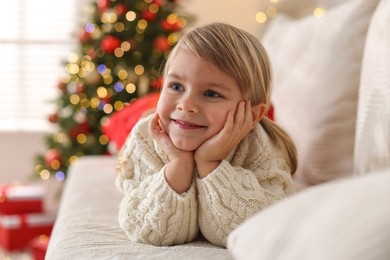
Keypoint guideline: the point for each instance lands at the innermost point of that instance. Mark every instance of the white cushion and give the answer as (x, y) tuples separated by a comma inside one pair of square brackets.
[(372, 148), (343, 219), (317, 70)]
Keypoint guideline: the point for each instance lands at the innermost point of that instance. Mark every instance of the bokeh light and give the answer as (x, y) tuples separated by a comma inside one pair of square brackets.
[(60, 176)]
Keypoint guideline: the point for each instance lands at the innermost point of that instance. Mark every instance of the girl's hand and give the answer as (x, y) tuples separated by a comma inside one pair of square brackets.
[(162, 138), (179, 170), (237, 125)]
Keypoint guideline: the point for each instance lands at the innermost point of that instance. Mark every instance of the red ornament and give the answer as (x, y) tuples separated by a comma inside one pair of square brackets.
[(83, 128), (91, 52), (53, 118), (61, 86), (148, 15), (158, 2), (166, 25), (51, 155), (84, 36), (74, 132), (103, 5), (170, 26), (110, 43), (106, 100), (120, 9), (161, 44), (79, 88)]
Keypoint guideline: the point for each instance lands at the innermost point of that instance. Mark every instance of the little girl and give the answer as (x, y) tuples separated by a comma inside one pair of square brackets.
[(208, 158)]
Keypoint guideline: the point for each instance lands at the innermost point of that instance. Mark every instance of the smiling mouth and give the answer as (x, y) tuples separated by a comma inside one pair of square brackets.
[(186, 125)]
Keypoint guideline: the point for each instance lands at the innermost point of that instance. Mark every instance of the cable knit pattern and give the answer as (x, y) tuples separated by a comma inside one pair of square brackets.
[(255, 178), (251, 178), (151, 212)]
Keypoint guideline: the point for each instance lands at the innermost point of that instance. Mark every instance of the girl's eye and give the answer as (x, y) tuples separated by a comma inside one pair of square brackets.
[(211, 93), (176, 87)]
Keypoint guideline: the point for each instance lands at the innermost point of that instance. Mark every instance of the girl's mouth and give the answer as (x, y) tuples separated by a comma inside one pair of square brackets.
[(186, 125)]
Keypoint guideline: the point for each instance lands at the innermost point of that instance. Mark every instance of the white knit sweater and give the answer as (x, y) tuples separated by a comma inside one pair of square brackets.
[(251, 178)]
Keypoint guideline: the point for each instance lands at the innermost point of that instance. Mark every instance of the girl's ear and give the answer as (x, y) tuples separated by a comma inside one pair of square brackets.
[(258, 111)]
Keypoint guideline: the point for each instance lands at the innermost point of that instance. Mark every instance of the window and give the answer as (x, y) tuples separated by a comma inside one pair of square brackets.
[(36, 38)]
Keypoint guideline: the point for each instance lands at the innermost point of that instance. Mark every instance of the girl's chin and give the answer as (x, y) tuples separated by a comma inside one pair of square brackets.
[(185, 146)]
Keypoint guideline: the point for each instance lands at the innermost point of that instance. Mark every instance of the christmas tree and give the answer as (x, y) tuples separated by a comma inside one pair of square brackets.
[(120, 58)]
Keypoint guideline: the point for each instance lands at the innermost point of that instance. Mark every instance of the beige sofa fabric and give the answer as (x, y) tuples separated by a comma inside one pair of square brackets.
[(372, 143), (317, 65), (87, 224)]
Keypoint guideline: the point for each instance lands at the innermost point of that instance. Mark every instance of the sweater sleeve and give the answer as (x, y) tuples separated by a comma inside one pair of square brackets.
[(231, 194), (151, 212)]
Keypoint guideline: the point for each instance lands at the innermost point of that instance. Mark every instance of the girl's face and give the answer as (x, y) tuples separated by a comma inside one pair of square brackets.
[(195, 100)]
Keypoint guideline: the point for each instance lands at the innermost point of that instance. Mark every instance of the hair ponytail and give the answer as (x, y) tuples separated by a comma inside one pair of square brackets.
[(283, 141)]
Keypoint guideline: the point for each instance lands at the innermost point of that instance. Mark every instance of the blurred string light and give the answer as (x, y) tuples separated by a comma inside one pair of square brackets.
[(139, 70), (101, 68), (131, 88), (271, 11), (261, 17), (60, 176), (319, 12), (90, 27), (130, 16), (118, 87), (81, 138), (45, 174)]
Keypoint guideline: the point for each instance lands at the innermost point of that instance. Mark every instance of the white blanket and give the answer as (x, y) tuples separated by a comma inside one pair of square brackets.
[(87, 226)]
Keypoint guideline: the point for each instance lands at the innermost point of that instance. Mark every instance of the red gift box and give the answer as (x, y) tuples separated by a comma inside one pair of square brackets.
[(17, 231), (21, 199), (39, 247)]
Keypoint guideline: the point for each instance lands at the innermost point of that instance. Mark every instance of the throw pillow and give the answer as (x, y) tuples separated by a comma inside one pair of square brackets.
[(372, 145), (121, 122), (317, 65), (343, 219)]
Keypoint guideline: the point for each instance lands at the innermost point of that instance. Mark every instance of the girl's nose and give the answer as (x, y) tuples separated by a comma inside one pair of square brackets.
[(188, 104)]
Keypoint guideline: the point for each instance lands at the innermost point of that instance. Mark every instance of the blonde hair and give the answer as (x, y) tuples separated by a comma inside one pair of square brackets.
[(242, 56)]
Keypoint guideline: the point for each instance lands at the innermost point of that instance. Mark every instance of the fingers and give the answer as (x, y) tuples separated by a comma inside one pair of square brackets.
[(154, 126), (229, 123), (243, 116), (240, 114), (158, 134)]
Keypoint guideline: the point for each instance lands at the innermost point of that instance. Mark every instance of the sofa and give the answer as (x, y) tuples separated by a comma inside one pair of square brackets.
[(332, 94)]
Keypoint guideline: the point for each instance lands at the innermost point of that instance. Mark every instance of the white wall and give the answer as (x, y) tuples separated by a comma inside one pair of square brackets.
[(18, 149), (238, 13)]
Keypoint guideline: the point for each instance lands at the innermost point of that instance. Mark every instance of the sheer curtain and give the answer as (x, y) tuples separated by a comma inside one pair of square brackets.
[(36, 37)]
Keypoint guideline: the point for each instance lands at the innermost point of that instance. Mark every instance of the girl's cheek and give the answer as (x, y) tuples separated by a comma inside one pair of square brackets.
[(160, 106)]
